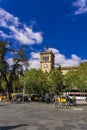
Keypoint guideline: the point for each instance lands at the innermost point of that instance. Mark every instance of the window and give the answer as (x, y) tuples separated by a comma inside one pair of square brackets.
[(45, 58)]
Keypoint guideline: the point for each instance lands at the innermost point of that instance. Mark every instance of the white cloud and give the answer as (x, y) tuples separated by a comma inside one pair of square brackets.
[(63, 61), (81, 7), (34, 63), (75, 57), (17, 30), (10, 61), (35, 60), (7, 19), (4, 35), (35, 55)]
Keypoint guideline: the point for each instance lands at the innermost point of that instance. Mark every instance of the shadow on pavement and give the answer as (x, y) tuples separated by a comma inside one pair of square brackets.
[(2, 105), (11, 127)]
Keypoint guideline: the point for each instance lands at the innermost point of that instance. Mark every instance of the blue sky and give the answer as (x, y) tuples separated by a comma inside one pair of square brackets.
[(60, 24)]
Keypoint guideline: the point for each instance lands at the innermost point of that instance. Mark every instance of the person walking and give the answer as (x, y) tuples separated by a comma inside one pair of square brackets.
[(74, 100)]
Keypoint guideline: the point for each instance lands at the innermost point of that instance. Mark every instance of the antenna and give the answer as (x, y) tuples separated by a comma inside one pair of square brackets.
[(46, 48)]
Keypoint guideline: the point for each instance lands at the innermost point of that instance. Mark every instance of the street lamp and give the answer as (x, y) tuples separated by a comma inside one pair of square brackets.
[(25, 66), (24, 84)]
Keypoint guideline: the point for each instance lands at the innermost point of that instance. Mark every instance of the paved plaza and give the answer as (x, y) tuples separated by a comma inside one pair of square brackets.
[(38, 116)]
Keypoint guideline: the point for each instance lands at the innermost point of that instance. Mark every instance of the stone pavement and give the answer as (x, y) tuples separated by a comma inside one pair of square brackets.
[(38, 116)]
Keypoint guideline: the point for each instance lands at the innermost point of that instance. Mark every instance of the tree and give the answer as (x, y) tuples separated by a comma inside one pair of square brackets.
[(31, 81), (71, 80), (77, 79), (43, 82), (36, 81), (3, 63), (82, 72), (56, 80), (10, 73)]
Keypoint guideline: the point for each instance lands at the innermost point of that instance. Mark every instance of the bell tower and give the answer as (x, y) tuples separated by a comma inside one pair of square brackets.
[(46, 60)]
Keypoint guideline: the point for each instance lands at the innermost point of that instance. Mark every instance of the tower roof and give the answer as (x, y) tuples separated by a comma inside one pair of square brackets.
[(47, 52)]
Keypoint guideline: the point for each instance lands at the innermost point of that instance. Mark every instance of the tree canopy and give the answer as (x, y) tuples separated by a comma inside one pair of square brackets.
[(10, 73)]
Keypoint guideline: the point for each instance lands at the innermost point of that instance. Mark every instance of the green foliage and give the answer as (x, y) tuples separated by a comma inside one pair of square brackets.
[(56, 80), (71, 79), (36, 81), (77, 78), (9, 73), (82, 72), (3, 63)]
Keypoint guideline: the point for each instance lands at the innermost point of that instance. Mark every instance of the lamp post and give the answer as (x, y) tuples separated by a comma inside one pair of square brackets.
[(24, 67)]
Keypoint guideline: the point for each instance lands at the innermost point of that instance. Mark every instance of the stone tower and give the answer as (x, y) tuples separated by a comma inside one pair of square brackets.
[(46, 60)]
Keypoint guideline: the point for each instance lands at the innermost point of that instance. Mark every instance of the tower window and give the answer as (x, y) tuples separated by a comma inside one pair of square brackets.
[(45, 58)]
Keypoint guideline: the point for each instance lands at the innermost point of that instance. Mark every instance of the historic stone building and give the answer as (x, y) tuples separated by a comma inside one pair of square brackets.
[(66, 69)]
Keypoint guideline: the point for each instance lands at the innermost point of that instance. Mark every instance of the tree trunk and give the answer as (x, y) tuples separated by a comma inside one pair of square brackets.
[(7, 88)]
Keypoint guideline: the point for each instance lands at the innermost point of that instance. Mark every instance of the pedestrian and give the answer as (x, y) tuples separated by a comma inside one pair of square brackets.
[(29, 98), (56, 103), (86, 100), (47, 98), (55, 96), (74, 100)]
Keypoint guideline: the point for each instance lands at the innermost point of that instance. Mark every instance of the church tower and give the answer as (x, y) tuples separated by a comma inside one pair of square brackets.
[(46, 60)]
